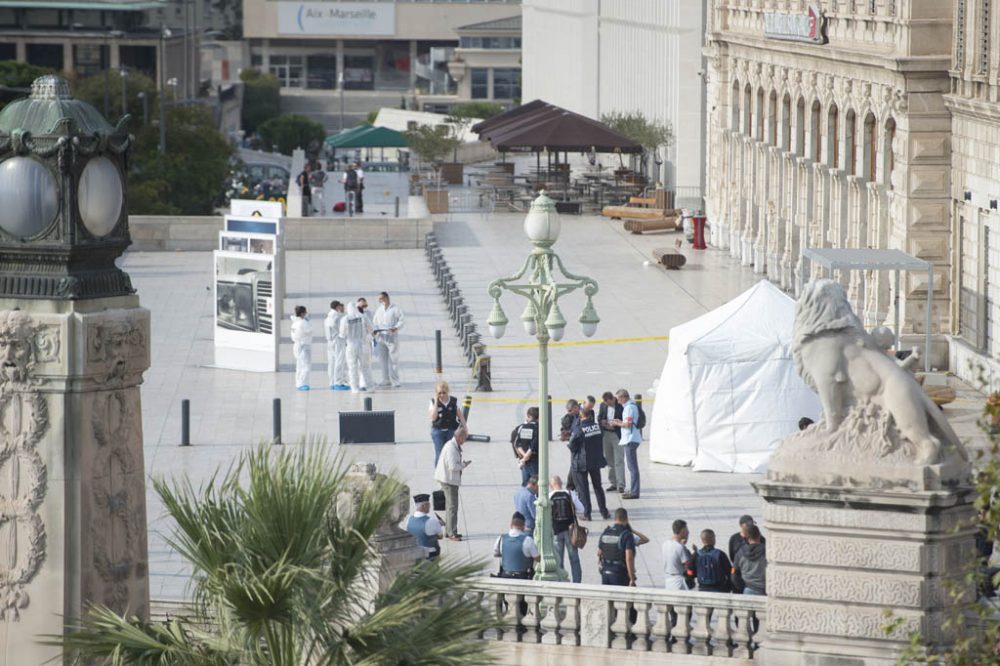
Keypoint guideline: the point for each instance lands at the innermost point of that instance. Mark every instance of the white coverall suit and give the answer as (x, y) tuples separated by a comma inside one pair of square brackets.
[(387, 341), (356, 329), (336, 346), (302, 349)]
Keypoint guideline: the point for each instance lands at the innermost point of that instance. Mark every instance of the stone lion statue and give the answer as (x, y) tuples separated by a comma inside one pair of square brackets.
[(836, 357)]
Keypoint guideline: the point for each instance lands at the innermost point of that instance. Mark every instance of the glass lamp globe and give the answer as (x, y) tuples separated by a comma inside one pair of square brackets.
[(30, 197), (557, 332), (528, 319), (497, 321), (588, 328), (101, 197), (542, 223)]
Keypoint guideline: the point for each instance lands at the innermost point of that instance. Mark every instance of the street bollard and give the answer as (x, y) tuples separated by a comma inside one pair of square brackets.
[(548, 406), (397, 206), (484, 380), (276, 421), (466, 406), (368, 404), (185, 422), (437, 352)]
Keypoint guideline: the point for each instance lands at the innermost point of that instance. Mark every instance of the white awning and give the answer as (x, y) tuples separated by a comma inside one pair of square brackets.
[(852, 259)]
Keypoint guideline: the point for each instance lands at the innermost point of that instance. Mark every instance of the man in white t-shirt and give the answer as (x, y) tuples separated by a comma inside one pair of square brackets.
[(677, 558)]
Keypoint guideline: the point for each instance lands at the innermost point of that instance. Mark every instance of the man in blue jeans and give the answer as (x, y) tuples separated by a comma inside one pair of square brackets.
[(630, 440)]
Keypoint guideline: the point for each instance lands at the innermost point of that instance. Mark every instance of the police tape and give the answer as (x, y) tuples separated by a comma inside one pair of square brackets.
[(576, 343)]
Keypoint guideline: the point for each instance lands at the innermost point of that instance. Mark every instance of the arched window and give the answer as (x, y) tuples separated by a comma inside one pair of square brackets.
[(888, 154), (786, 123), (759, 110), (817, 137), (748, 110), (772, 120), (851, 143), (832, 136), (868, 148), (800, 128), (734, 121)]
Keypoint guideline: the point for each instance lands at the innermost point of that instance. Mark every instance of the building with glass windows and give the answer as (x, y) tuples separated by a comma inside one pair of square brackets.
[(403, 45)]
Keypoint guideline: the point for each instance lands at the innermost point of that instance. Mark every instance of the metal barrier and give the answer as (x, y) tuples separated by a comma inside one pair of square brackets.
[(461, 318)]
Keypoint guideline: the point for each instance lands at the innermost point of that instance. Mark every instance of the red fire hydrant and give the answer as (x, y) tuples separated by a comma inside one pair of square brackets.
[(698, 220)]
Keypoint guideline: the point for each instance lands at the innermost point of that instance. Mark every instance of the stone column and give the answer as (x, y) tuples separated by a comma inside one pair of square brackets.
[(72, 480), (856, 526)]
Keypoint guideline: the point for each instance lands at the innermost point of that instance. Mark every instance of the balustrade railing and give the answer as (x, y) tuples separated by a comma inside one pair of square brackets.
[(623, 618)]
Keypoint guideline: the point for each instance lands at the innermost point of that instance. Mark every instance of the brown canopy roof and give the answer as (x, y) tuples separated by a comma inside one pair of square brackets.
[(508, 116), (556, 129)]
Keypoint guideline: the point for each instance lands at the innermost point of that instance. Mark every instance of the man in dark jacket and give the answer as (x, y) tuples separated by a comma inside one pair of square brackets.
[(750, 564), (586, 447), (566, 426), (712, 567), (738, 539), (610, 410)]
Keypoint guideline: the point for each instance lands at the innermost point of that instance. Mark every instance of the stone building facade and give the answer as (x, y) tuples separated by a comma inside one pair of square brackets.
[(974, 102), (827, 127)]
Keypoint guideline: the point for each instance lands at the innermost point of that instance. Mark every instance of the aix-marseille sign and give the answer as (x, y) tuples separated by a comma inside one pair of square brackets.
[(797, 26), (337, 18)]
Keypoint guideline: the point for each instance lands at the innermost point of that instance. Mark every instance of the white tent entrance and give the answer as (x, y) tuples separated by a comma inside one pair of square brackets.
[(729, 392)]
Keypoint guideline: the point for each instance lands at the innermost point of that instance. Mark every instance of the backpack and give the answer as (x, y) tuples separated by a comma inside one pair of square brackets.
[(709, 568), (641, 422), (352, 179), (562, 508)]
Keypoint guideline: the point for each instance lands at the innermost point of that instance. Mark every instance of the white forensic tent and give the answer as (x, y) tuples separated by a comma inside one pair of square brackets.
[(729, 392)]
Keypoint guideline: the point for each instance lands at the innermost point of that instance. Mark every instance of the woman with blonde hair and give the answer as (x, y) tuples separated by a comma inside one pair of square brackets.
[(445, 417)]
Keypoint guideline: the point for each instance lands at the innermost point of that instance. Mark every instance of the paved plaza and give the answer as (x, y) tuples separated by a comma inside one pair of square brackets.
[(232, 410)]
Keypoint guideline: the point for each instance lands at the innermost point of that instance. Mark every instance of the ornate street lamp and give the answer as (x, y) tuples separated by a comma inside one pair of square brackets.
[(542, 280), (62, 181)]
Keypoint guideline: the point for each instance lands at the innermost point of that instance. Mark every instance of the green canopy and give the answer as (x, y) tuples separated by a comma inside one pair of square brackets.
[(366, 136)]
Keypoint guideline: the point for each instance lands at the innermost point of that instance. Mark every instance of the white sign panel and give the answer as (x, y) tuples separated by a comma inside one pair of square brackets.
[(796, 26), (253, 208), (337, 18)]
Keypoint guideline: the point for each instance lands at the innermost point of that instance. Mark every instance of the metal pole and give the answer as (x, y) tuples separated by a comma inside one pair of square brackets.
[(123, 73), (163, 90), (397, 206), (185, 422), (547, 408), (107, 81), (437, 351), (341, 101), (368, 404), (276, 421), (466, 406), (927, 331), (548, 567), (896, 306)]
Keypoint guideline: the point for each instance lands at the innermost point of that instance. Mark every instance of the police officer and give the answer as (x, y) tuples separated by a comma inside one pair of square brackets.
[(524, 441), (424, 527), (586, 446), (616, 552), (517, 551)]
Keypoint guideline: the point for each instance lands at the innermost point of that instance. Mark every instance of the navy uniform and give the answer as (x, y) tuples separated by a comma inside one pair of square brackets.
[(614, 542), (586, 445), (425, 528)]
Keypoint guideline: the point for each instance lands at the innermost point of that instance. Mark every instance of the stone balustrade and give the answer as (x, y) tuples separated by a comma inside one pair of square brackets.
[(623, 618)]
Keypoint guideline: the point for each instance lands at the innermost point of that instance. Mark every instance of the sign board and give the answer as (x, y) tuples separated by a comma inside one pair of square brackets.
[(805, 26), (253, 208), (330, 19), (249, 286)]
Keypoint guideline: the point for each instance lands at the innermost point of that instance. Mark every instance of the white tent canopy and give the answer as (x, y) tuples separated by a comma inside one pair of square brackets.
[(729, 392)]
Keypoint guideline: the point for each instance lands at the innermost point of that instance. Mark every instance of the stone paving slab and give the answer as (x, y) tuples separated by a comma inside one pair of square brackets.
[(232, 410)]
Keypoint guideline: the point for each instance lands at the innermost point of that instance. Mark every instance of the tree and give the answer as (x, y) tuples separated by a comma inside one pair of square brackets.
[(650, 134), (91, 90), (288, 132), (280, 577), (261, 98), (15, 74), (189, 178), (433, 143), (971, 647)]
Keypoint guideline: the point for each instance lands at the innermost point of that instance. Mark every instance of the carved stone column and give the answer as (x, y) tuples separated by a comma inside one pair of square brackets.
[(72, 481)]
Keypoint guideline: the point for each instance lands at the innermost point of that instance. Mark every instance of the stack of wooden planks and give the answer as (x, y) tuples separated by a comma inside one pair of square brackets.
[(669, 257)]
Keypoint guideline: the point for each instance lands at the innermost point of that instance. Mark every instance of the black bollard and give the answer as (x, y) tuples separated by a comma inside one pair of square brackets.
[(548, 406), (466, 406), (185, 422), (276, 421), (397, 206), (437, 352), (368, 404)]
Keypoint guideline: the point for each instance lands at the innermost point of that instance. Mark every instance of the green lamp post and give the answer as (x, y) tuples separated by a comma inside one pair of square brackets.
[(542, 280)]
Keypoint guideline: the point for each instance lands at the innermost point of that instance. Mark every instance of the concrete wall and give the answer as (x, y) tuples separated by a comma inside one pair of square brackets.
[(156, 233)]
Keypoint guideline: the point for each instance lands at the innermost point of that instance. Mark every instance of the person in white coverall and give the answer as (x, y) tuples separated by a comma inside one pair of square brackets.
[(357, 332), (302, 346), (336, 346), (388, 320)]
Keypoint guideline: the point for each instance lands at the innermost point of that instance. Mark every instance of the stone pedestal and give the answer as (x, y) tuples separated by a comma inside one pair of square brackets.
[(72, 481), (848, 538)]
